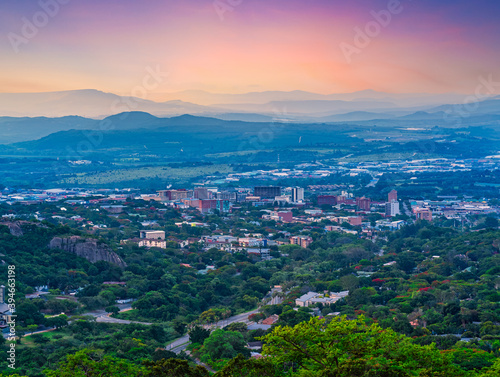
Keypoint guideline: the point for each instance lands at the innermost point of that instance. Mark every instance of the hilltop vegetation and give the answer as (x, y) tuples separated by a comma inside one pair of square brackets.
[(431, 284)]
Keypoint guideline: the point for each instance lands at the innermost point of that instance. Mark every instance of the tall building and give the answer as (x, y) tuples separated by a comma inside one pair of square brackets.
[(330, 200), (166, 195), (267, 192), (393, 195), (363, 203), (392, 208), (200, 193), (297, 194)]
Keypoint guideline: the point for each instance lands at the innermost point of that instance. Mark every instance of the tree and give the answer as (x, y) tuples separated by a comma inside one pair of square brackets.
[(57, 322), (174, 368), (293, 317), (352, 348), (224, 345), (92, 363), (240, 367), (161, 353), (237, 326), (491, 222), (349, 282), (113, 309), (198, 334), (494, 371)]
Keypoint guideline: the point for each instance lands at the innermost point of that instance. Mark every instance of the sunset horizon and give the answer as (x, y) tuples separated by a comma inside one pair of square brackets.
[(326, 47)]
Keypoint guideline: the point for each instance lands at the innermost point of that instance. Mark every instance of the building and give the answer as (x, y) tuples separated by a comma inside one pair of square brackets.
[(271, 320), (393, 195), (329, 200), (297, 194), (351, 220), (201, 193), (267, 192), (208, 205), (302, 241), (167, 195), (152, 234), (147, 242), (232, 196), (252, 242), (286, 217), (363, 204), (312, 298), (392, 208), (422, 213)]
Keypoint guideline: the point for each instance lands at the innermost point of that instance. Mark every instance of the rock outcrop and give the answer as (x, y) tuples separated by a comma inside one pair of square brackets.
[(88, 248), (16, 227)]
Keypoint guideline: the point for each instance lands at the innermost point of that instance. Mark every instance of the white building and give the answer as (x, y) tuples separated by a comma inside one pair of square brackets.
[(392, 208), (149, 242), (297, 194), (153, 234), (312, 298)]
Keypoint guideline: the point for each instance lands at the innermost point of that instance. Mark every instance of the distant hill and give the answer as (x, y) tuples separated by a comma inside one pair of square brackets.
[(356, 116), (188, 135), (92, 103), (401, 99), (88, 103), (20, 129)]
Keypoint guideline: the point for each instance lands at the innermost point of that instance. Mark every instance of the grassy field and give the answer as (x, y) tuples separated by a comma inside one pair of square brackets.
[(145, 173), (27, 340)]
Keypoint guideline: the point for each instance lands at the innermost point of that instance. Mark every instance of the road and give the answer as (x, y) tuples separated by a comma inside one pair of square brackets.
[(99, 315), (102, 316), (181, 343)]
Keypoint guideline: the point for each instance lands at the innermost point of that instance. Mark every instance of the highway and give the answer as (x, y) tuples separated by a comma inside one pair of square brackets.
[(181, 343)]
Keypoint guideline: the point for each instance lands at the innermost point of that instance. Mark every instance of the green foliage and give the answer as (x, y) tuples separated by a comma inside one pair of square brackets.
[(174, 368), (224, 345), (92, 363), (198, 334), (353, 348)]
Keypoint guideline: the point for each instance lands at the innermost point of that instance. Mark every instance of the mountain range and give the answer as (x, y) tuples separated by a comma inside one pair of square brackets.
[(300, 105), (42, 114)]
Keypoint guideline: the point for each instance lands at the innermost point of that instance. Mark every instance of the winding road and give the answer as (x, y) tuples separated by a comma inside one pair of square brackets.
[(181, 343)]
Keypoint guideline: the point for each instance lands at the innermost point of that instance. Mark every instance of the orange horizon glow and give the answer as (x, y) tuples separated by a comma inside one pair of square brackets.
[(257, 46)]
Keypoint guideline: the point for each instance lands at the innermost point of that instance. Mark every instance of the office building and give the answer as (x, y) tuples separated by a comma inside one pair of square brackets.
[(167, 195), (297, 194), (392, 208), (393, 195), (267, 192), (363, 204), (329, 200)]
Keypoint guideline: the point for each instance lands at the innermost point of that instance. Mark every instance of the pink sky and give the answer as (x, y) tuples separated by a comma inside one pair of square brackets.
[(285, 45)]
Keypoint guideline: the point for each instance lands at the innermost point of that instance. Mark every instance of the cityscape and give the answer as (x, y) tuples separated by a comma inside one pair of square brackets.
[(235, 188)]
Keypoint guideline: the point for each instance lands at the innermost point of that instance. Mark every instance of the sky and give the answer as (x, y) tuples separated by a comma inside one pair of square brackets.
[(238, 46)]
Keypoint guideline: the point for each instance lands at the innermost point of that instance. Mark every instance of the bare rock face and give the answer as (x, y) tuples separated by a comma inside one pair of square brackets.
[(15, 227), (87, 248)]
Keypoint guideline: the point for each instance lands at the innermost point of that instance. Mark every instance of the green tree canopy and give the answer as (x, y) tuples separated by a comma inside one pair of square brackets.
[(352, 348)]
